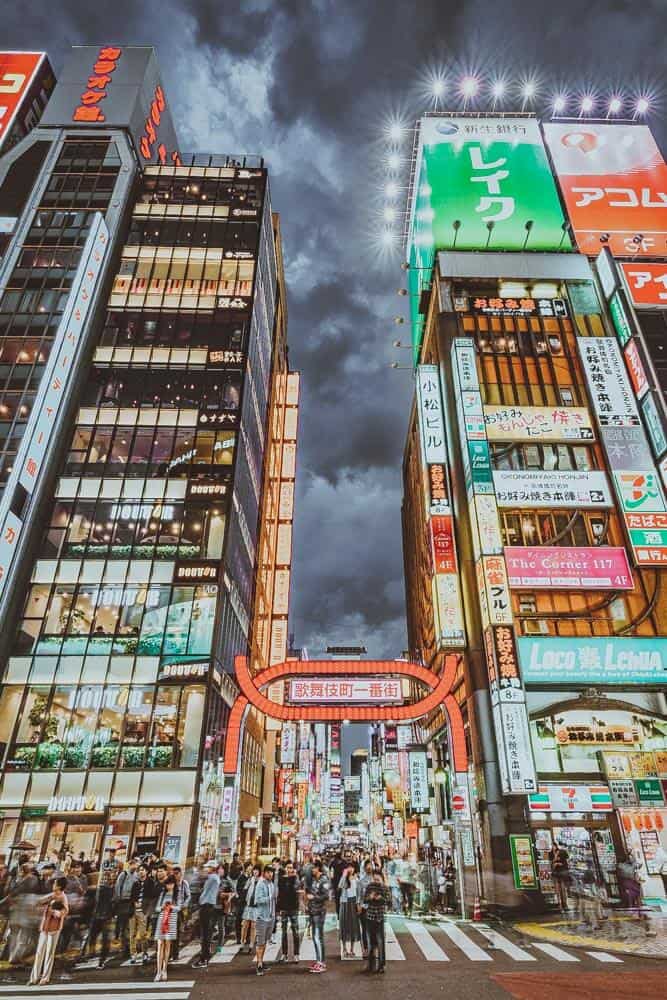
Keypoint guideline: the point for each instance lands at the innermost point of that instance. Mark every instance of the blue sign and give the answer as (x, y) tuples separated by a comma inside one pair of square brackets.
[(576, 661)]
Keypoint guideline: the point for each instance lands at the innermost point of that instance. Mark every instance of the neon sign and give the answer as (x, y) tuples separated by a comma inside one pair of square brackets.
[(89, 110)]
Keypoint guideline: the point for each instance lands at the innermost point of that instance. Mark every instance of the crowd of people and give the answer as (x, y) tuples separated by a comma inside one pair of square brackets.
[(145, 909)]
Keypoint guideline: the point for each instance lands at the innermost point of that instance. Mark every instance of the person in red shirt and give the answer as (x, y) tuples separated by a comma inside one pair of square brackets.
[(56, 909)]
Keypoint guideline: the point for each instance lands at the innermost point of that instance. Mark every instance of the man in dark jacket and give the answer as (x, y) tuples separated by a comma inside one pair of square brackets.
[(317, 898), (377, 900), (287, 906), (143, 898)]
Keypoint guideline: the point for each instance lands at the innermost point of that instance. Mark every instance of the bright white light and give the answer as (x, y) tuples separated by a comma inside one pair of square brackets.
[(614, 105), (498, 89), (559, 104), (394, 161), (389, 214), (391, 190), (587, 105), (528, 90), (438, 87), (642, 106), (469, 86), (395, 132), (388, 237), (425, 190)]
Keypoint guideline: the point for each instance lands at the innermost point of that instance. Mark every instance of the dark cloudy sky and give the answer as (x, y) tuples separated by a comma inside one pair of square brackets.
[(309, 84)]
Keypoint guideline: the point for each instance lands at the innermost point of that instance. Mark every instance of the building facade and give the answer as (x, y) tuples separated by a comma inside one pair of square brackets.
[(533, 509), (143, 326)]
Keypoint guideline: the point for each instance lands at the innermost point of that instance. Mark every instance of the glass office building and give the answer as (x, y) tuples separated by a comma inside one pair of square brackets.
[(133, 586)]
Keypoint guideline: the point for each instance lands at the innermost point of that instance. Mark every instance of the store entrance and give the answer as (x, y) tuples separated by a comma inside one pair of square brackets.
[(80, 839), (588, 844)]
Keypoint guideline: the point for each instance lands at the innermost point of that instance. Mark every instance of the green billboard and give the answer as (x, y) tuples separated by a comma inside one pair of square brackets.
[(480, 184)]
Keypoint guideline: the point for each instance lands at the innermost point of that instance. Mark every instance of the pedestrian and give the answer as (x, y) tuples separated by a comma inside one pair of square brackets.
[(287, 906), (122, 903), (143, 899), (102, 911), (407, 883), (560, 873), (55, 912), (240, 900), (235, 868), (362, 882), (336, 871), (183, 897), (250, 911), (265, 901), (223, 905), (586, 892), (208, 899), (348, 918), (450, 885), (166, 927), (377, 899), (629, 885), (316, 901)]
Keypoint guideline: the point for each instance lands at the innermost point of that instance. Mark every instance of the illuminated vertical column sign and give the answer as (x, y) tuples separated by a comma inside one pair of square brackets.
[(508, 697), (447, 606)]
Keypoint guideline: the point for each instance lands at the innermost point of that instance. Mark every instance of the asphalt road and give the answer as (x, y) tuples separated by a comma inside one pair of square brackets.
[(447, 959)]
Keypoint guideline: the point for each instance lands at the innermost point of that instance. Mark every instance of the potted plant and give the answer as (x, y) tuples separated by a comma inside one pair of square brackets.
[(104, 755), (132, 756), (49, 754), (160, 756)]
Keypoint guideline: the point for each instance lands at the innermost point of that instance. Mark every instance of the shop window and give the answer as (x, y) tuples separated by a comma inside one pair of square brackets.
[(527, 604), (190, 724), (10, 704), (163, 733)]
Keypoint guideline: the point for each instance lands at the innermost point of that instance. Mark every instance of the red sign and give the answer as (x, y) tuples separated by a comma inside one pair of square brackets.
[(647, 283), (458, 802), (614, 181), (17, 70), (636, 368), (442, 538), (89, 109)]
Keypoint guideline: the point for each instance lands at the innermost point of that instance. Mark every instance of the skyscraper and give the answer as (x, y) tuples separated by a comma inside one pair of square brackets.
[(144, 320), (530, 490)]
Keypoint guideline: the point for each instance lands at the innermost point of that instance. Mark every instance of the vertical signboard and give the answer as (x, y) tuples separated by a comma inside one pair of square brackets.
[(27, 475), (613, 179), (447, 607), (507, 694), (418, 774), (636, 480)]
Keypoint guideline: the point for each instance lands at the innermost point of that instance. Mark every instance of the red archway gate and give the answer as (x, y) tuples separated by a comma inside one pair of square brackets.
[(439, 695)]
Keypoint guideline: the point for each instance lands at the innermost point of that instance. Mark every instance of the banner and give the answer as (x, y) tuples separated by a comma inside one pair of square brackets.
[(538, 423), (613, 400), (17, 72), (614, 180), (418, 773), (573, 567), (646, 283), (536, 489), (575, 661)]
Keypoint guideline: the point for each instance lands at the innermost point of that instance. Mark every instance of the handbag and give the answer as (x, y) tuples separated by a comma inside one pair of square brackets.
[(165, 918)]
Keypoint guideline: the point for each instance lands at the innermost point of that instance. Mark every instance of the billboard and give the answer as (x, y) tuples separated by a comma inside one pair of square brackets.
[(346, 690), (481, 181), (574, 567), (579, 660), (535, 488), (538, 423), (613, 399), (18, 72), (646, 283), (614, 182)]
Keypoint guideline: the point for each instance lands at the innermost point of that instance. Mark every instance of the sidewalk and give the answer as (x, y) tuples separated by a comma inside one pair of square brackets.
[(620, 932)]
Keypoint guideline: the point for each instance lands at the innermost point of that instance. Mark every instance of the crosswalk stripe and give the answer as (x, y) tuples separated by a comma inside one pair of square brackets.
[(393, 950), (130, 987), (188, 953), (502, 944), (603, 956), (468, 947), (554, 952), (428, 946), (228, 952), (272, 950)]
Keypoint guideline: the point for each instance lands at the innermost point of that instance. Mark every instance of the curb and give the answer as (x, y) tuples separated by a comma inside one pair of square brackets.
[(610, 946)]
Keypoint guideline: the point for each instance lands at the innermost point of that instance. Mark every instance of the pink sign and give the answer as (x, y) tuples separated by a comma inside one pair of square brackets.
[(598, 568)]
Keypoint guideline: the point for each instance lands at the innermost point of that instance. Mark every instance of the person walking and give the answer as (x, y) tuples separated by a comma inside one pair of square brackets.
[(362, 882), (166, 927), (208, 899), (287, 906), (348, 917), (122, 903), (240, 900), (55, 912), (250, 911), (377, 899), (100, 918), (183, 897), (629, 885), (265, 902), (560, 873), (316, 901), (143, 898), (449, 877)]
